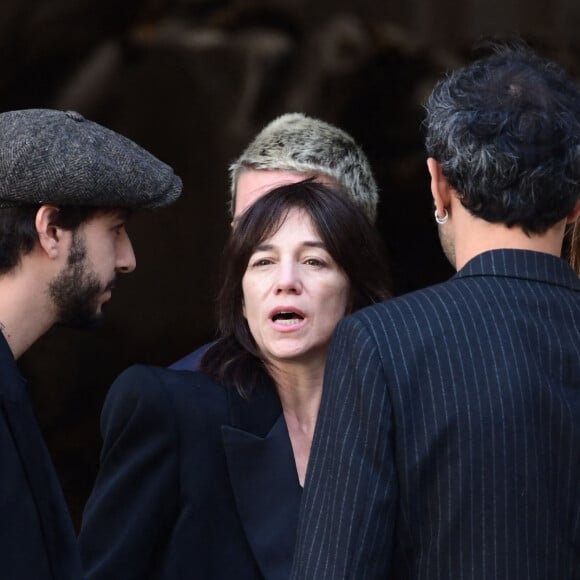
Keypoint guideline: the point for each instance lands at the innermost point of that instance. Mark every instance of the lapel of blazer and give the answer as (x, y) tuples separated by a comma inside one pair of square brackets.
[(57, 530), (264, 479)]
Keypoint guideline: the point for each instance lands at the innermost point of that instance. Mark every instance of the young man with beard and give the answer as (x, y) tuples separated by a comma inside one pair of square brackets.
[(67, 186), (448, 440)]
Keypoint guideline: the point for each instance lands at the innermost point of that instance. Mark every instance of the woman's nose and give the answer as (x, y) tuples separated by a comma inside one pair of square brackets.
[(288, 279)]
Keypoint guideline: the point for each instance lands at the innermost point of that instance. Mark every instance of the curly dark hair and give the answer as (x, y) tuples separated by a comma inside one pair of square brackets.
[(506, 131), (349, 237)]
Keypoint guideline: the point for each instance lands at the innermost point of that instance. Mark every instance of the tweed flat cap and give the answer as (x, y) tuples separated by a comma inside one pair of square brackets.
[(61, 158)]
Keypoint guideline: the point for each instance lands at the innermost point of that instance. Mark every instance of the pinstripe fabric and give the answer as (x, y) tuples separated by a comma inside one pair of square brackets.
[(448, 442)]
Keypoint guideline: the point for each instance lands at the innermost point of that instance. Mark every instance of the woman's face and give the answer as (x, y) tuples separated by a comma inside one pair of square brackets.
[(294, 293)]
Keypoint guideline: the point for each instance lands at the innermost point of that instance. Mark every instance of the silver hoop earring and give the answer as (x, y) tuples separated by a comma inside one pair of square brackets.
[(442, 220)]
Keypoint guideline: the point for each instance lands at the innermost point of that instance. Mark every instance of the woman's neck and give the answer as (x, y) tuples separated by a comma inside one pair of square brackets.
[(300, 391)]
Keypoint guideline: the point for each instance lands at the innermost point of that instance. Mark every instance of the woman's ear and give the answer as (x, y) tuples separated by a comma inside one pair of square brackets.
[(50, 236)]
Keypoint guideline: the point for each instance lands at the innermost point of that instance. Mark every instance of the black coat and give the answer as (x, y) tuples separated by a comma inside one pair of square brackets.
[(448, 439), (37, 540), (195, 482)]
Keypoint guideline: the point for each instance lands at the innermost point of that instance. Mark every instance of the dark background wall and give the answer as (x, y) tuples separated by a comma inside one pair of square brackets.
[(193, 81)]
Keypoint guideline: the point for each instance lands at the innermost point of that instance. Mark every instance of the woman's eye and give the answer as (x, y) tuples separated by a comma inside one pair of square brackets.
[(262, 262), (314, 262)]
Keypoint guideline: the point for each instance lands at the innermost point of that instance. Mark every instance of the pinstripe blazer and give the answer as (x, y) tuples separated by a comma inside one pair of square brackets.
[(448, 442)]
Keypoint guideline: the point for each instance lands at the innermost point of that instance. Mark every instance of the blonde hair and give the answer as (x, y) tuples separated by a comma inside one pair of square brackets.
[(295, 142)]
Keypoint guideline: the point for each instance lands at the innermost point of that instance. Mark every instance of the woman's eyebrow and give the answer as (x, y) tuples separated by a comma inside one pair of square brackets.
[(307, 243)]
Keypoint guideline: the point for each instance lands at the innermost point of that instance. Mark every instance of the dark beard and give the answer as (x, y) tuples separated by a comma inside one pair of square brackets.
[(75, 291)]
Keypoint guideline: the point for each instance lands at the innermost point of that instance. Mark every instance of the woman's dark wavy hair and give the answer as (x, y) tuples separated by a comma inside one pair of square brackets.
[(18, 230), (506, 131), (350, 238)]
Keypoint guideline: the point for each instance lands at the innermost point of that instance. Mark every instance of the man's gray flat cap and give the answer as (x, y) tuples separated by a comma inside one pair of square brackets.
[(61, 158)]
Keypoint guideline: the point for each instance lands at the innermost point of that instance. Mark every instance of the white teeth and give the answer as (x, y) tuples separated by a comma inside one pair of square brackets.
[(288, 321)]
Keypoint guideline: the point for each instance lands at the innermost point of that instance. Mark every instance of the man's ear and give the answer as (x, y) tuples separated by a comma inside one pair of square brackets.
[(574, 214), (440, 188), (50, 236)]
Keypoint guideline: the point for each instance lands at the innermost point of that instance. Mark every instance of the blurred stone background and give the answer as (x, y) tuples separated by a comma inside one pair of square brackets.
[(193, 81)]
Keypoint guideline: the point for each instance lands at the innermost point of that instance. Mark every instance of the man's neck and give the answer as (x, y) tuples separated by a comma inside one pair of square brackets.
[(475, 236), (25, 314)]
